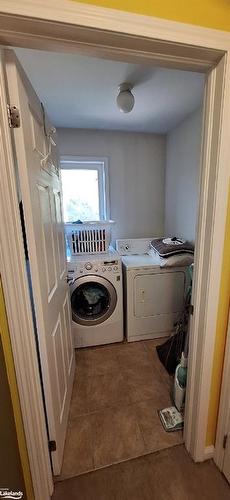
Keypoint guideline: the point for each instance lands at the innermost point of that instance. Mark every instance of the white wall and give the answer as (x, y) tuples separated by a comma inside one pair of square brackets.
[(182, 177), (136, 176)]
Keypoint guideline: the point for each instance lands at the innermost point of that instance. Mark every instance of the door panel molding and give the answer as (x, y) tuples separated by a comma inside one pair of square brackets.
[(47, 241)]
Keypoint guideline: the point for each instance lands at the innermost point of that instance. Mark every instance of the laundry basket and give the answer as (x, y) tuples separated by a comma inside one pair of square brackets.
[(89, 237)]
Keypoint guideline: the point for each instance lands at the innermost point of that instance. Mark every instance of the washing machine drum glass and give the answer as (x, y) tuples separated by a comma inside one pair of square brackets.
[(93, 301)]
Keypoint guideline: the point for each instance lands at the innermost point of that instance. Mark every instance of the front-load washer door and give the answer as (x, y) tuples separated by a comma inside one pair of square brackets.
[(93, 300)]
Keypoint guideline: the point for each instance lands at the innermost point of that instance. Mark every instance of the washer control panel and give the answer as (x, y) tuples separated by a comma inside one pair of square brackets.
[(102, 267), (88, 266)]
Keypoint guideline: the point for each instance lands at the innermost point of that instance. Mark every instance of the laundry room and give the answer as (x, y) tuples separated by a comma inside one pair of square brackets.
[(122, 142)]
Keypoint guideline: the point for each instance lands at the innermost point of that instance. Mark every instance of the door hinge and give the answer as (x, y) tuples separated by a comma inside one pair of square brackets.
[(13, 116), (225, 441), (191, 309), (52, 446)]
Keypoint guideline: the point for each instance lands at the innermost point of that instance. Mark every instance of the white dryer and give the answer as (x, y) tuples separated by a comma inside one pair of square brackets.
[(153, 296), (96, 298)]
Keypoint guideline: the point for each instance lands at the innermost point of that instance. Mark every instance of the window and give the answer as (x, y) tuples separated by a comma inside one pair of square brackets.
[(85, 189)]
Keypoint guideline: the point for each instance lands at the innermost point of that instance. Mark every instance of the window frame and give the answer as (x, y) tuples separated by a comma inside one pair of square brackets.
[(101, 164)]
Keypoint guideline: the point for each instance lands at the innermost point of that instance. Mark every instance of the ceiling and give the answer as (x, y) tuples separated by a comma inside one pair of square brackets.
[(80, 92)]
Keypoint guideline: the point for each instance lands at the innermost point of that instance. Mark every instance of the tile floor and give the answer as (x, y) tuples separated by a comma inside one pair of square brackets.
[(113, 416), (165, 475)]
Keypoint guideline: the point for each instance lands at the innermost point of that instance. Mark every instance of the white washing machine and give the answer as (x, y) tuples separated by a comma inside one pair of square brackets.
[(153, 296), (96, 298)]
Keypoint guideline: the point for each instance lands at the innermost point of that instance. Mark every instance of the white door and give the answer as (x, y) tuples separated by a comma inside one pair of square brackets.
[(40, 185)]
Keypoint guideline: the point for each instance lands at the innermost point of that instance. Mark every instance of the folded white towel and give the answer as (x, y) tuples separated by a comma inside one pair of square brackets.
[(177, 260), (170, 241)]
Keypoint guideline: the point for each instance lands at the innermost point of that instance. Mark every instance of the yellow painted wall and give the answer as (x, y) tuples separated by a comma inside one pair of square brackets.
[(212, 14), (209, 13), (7, 351)]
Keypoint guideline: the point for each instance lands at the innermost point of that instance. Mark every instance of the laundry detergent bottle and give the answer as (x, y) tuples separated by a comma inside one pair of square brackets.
[(180, 383)]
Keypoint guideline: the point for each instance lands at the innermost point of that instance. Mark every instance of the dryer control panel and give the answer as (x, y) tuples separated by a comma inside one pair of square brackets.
[(133, 246)]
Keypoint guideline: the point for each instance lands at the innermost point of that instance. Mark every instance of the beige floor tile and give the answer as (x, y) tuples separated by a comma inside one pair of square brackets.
[(131, 351), (104, 361), (98, 392), (78, 452), (80, 398), (83, 363), (150, 344), (154, 435), (117, 391), (131, 346), (106, 390), (96, 361), (117, 436), (145, 383), (168, 475)]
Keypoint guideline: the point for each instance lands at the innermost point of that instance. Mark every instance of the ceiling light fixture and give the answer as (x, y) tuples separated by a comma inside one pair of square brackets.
[(125, 98)]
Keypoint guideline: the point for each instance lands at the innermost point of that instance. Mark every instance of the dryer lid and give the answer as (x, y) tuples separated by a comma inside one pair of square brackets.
[(140, 261)]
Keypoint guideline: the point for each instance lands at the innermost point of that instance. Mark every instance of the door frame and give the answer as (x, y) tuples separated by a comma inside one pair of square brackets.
[(124, 36)]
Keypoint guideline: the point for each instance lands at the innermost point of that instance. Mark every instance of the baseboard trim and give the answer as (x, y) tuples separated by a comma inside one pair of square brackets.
[(209, 452)]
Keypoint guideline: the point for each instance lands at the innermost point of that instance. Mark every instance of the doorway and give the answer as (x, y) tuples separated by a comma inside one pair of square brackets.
[(134, 164)]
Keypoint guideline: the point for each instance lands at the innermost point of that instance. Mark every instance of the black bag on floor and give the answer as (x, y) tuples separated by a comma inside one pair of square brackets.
[(170, 352)]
